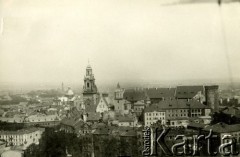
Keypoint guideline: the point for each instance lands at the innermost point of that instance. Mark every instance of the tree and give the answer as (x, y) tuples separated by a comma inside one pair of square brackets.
[(224, 118)]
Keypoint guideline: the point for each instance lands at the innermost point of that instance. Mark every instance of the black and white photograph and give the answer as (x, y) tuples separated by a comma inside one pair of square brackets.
[(119, 78)]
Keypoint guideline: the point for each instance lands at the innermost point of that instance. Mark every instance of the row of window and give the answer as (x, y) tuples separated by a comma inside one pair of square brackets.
[(150, 123), (177, 110), (155, 118), (156, 114), (16, 136), (139, 108), (196, 110), (177, 115)]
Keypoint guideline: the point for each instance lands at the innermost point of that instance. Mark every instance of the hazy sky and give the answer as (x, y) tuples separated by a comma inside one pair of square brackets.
[(52, 40)]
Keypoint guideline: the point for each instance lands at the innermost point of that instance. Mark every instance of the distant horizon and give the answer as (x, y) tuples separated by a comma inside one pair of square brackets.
[(124, 84)]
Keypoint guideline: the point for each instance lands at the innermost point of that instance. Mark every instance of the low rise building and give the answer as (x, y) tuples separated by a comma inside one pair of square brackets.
[(126, 120), (122, 106), (42, 120), (152, 114), (23, 137), (103, 105), (139, 106), (175, 112)]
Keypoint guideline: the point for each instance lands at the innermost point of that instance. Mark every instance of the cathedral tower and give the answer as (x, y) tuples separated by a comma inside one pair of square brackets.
[(89, 89)]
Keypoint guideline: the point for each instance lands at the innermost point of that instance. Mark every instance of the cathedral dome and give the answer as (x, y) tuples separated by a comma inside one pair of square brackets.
[(69, 92)]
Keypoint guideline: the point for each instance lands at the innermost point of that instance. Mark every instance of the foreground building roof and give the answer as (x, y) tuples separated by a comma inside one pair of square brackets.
[(223, 128)]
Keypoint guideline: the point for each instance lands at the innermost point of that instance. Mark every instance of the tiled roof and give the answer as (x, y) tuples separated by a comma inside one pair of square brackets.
[(188, 92), (139, 103), (102, 131), (70, 121), (153, 107), (90, 108), (42, 118), (181, 103), (93, 116), (232, 111), (126, 118), (128, 133), (122, 131), (161, 92), (196, 125), (135, 95), (223, 128), (22, 131)]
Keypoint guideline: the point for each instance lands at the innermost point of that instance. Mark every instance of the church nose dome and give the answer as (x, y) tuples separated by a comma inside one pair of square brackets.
[(89, 66), (69, 92)]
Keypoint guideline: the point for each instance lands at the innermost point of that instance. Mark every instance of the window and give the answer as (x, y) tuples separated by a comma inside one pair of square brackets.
[(88, 85), (125, 106)]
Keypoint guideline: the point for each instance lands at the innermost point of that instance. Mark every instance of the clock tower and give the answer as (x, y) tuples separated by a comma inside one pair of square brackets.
[(90, 91)]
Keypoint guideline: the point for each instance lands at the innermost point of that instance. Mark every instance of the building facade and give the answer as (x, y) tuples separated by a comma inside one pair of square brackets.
[(24, 137), (175, 112)]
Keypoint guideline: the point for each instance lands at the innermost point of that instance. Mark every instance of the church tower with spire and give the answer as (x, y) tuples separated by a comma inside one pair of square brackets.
[(89, 89)]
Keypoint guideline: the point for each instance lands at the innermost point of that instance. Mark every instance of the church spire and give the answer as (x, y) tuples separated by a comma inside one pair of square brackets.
[(118, 85)]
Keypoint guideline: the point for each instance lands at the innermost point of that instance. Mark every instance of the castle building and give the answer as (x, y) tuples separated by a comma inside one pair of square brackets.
[(90, 91), (175, 112)]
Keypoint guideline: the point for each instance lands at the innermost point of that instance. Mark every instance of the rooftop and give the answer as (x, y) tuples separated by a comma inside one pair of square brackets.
[(188, 92), (223, 128), (161, 92)]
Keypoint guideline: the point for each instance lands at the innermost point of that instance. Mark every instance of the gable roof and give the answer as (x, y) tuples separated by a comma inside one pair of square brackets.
[(188, 92)]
